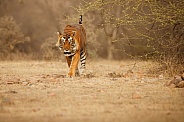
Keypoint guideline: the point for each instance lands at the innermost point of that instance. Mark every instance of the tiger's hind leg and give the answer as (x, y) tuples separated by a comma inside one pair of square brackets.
[(83, 61)]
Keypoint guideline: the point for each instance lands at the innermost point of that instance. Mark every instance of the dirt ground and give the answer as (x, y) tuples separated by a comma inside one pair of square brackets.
[(33, 91)]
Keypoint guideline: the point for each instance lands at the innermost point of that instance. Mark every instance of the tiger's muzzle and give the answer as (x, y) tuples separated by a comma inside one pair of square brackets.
[(69, 52)]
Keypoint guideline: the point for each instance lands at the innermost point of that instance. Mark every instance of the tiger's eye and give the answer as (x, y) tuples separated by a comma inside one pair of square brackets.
[(63, 39), (70, 38)]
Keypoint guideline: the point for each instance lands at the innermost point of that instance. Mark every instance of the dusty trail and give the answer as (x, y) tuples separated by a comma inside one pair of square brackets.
[(111, 91)]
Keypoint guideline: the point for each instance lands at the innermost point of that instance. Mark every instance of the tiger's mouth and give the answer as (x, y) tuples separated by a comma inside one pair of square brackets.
[(68, 53)]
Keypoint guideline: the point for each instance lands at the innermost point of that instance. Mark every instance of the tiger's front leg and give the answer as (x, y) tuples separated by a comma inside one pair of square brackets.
[(74, 64)]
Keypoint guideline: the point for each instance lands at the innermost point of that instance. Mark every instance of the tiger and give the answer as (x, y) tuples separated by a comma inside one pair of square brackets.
[(73, 44)]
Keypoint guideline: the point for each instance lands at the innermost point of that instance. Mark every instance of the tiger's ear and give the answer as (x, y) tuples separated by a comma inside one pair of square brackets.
[(58, 33)]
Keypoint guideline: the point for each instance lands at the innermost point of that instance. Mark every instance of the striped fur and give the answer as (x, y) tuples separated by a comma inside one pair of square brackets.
[(73, 44)]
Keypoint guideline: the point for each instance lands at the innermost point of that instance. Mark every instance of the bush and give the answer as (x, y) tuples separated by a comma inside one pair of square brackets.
[(12, 40), (147, 29)]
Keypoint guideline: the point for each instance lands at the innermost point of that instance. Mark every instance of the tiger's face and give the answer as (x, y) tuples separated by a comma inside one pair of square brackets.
[(66, 43)]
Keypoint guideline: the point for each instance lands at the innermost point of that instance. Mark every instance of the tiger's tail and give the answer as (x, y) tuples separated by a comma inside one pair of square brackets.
[(80, 20)]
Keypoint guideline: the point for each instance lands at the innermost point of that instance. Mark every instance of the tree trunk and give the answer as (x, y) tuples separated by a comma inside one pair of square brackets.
[(110, 49)]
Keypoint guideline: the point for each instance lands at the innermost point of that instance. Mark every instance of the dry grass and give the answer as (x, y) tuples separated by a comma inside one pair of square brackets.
[(111, 91)]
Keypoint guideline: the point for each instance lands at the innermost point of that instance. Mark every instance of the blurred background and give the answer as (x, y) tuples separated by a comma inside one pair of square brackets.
[(116, 29)]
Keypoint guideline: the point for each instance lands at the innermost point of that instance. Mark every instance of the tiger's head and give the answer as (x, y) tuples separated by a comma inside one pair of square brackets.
[(66, 42)]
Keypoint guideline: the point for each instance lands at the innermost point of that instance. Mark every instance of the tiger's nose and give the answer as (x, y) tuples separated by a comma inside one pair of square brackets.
[(66, 50)]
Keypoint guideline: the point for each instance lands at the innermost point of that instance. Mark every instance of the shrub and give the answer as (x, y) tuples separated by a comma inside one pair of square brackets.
[(12, 40)]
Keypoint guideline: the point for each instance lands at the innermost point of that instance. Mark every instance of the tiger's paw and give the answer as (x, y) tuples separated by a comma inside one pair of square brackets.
[(77, 74), (70, 75), (82, 72)]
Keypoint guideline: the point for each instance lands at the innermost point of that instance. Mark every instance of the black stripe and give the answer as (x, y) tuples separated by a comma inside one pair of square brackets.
[(81, 51), (83, 64), (83, 59), (82, 54)]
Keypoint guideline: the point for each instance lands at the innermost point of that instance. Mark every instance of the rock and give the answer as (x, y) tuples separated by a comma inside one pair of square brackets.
[(176, 82), (52, 94), (100, 90), (180, 84), (160, 77), (89, 75), (11, 92), (24, 83), (10, 82), (115, 75), (136, 95), (129, 73)]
